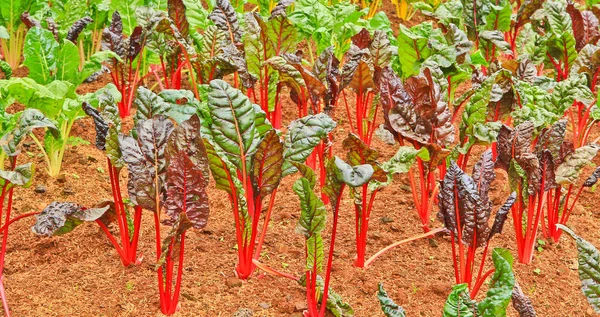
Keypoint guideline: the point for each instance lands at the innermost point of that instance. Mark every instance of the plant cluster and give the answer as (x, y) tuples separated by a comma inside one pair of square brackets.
[(199, 91)]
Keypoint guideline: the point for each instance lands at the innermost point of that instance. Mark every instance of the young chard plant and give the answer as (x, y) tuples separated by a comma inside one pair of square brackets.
[(465, 209), (108, 125), (561, 167), (125, 63), (416, 114), (58, 102), (312, 221), (248, 161), (540, 170), (515, 156), (168, 170), (364, 59), (13, 30), (266, 40), (359, 154), (171, 43), (14, 176), (460, 302)]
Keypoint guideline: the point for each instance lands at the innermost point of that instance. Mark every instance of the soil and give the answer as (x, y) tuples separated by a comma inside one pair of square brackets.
[(79, 274)]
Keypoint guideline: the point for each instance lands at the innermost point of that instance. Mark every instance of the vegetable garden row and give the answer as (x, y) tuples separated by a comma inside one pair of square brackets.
[(198, 94)]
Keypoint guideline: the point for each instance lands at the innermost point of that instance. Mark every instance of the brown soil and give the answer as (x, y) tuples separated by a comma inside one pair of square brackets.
[(79, 274)]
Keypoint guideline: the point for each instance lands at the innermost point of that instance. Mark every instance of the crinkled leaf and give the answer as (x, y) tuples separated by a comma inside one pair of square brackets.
[(521, 303), (29, 120), (588, 258), (22, 175), (99, 123), (224, 17), (62, 217), (301, 138), (568, 172), (389, 308), (186, 189), (459, 303), (146, 163)]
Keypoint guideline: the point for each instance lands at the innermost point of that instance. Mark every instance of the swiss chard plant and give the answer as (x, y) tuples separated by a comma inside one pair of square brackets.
[(365, 58), (108, 125), (460, 302), (168, 171), (125, 64), (415, 113), (540, 168), (313, 220), (465, 210), (360, 154), (13, 29), (561, 167), (16, 128), (171, 43), (58, 102), (266, 40), (248, 159)]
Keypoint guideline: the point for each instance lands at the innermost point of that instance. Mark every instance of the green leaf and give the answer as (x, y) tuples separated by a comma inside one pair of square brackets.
[(196, 15), (302, 136), (459, 304), (588, 258), (390, 309), (40, 52), (307, 173), (569, 171), (401, 162), (499, 17), (29, 120), (67, 63), (22, 175), (503, 281), (314, 215), (413, 47), (497, 38), (233, 116), (312, 221), (112, 147), (127, 9), (353, 176)]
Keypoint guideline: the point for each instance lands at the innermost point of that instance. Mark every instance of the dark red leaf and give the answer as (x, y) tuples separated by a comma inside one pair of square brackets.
[(267, 163), (29, 21), (362, 39), (77, 28), (522, 303), (99, 123), (176, 10), (186, 191)]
